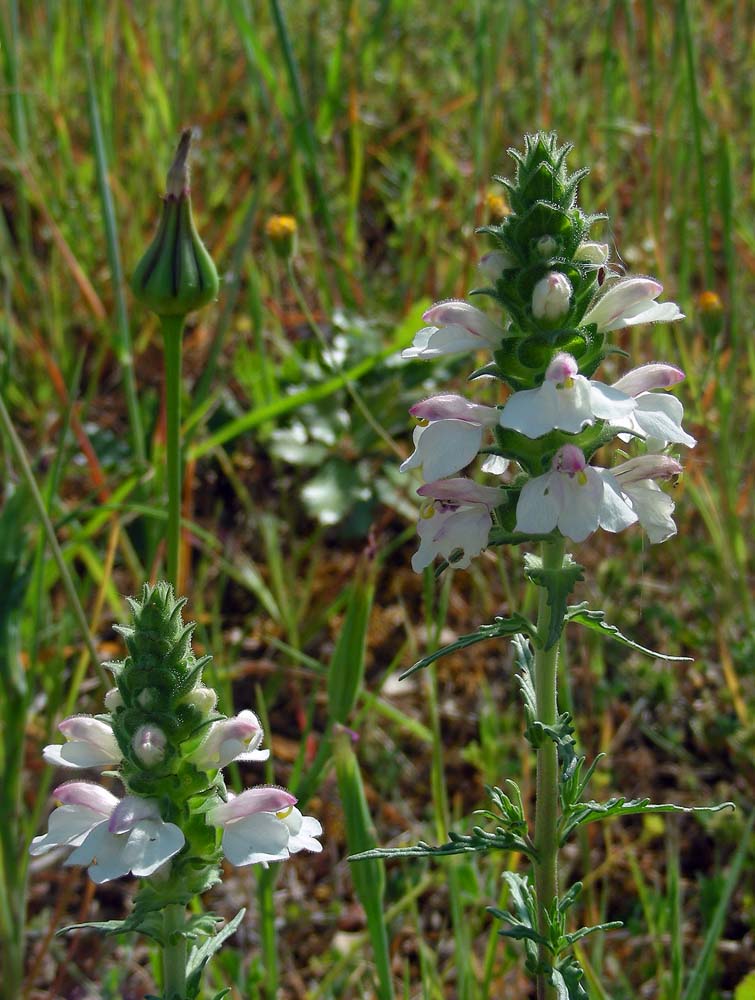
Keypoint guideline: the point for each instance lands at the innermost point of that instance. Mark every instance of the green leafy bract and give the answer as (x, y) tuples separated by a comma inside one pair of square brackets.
[(559, 583)]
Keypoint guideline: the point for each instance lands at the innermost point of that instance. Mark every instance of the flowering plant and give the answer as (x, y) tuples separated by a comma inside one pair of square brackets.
[(167, 744), (562, 300)]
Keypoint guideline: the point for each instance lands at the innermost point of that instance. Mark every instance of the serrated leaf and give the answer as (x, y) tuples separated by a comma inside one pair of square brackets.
[(559, 583), (476, 842), (500, 627), (201, 954), (572, 973), (587, 812), (579, 614)]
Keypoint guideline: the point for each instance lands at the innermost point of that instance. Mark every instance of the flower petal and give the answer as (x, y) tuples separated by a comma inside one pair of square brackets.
[(647, 377), (659, 417), (444, 447), (67, 826), (150, 844), (538, 508), (263, 798), (258, 838)]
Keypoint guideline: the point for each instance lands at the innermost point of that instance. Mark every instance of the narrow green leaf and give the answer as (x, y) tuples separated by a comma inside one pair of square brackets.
[(594, 620), (500, 627), (346, 669), (201, 954)]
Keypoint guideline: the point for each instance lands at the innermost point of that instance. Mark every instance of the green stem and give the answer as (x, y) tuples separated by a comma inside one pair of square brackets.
[(546, 807), (172, 341), (174, 953)]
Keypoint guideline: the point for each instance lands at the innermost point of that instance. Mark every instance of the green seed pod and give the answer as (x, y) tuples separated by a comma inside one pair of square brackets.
[(176, 275)]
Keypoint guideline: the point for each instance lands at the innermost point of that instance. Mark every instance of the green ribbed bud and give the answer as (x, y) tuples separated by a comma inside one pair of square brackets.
[(176, 275)]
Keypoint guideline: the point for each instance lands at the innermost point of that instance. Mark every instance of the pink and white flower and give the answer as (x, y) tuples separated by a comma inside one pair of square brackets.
[(566, 401), (657, 416), (631, 301), (457, 522), (89, 743), (577, 498), (454, 326), (636, 480), (452, 436), (113, 837), (261, 825), (227, 740)]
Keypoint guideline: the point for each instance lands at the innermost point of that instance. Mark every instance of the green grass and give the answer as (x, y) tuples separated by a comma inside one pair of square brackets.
[(378, 125)]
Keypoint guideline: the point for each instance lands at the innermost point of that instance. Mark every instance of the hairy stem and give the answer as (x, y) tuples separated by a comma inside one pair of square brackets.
[(172, 339), (174, 953), (546, 808)]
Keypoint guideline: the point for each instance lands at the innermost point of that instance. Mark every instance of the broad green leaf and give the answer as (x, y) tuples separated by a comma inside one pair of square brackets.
[(500, 627), (594, 620)]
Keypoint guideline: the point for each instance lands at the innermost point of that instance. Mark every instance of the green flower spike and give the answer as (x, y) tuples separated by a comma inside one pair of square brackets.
[(176, 275)]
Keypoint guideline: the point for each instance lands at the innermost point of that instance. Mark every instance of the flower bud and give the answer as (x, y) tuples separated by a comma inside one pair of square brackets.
[(148, 744), (176, 275), (113, 699), (546, 246), (202, 698), (281, 231), (550, 297), (592, 253)]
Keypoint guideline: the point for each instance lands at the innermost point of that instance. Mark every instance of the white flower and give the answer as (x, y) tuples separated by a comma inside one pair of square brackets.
[(261, 825), (551, 296), (456, 524), (577, 498), (568, 497), (84, 806), (658, 416), (566, 401), (631, 301), (113, 837), (133, 840), (90, 743), (635, 478), (452, 437), (454, 326), (227, 740)]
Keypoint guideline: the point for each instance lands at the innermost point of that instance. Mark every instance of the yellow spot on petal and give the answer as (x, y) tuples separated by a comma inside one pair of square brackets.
[(427, 510), (422, 422), (582, 478), (285, 813)]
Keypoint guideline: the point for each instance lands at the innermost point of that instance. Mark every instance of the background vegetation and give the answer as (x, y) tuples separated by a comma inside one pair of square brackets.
[(378, 126)]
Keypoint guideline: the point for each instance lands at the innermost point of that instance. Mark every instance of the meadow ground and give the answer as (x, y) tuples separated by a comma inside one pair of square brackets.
[(378, 126)]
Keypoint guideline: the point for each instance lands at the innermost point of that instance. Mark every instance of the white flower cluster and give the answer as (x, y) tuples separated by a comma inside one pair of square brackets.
[(117, 836), (572, 496)]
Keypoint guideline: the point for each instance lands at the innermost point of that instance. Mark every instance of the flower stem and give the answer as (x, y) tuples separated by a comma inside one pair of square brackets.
[(172, 327), (546, 807), (174, 953)]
